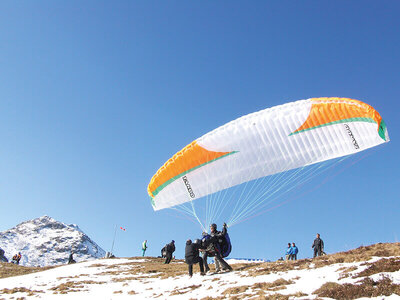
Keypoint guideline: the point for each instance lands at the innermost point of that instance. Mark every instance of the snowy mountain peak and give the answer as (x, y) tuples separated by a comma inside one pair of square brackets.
[(44, 241)]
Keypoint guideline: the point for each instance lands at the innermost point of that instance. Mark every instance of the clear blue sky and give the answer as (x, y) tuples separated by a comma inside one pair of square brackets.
[(96, 95)]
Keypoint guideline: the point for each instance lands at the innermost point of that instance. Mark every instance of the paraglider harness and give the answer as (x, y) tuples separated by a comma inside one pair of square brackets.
[(222, 246)]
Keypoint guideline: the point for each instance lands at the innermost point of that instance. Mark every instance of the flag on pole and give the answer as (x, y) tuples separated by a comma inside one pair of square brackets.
[(124, 229)]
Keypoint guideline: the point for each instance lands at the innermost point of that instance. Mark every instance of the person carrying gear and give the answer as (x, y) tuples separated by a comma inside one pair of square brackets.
[(213, 248), (293, 254), (16, 258), (71, 258), (170, 248), (144, 247), (288, 251), (318, 246), (192, 256)]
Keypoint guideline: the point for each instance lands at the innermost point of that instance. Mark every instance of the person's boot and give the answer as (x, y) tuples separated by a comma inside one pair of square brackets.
[(202, 273)]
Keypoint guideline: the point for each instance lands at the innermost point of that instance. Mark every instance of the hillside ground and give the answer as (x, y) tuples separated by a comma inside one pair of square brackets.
[(368, 271)]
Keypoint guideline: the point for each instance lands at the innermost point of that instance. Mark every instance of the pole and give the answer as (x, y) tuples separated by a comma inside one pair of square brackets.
[(115, 233)]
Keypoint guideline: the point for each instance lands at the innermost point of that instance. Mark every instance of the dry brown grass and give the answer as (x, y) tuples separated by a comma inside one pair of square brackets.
[(73, 286), (258, 296), (258, 288), (362, 253), (20, 290), (365, 288), (66, 287), (152, 268), (382, 265), (346, 271), (97, 266), (185, 290), (283, 297), (279, 266), (9, 270)]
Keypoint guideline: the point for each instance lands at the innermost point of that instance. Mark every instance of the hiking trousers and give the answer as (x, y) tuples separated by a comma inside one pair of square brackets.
[(317, 251), (195, 261), (168, 258), (221, 263)]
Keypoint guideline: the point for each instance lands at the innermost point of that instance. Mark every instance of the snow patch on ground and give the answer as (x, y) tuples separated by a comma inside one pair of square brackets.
[(105, 279)]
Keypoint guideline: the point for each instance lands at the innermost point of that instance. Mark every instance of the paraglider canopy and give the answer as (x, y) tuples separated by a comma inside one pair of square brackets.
[(276, 145)]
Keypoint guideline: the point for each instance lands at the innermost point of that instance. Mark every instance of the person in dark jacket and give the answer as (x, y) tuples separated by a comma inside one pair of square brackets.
[(318, 246), (2, 257), (192, 256), (170, 248), (295, 250), (71, 258), (213, 249)]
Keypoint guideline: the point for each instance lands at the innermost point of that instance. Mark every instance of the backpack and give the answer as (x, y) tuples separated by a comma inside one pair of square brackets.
[(225, 247)]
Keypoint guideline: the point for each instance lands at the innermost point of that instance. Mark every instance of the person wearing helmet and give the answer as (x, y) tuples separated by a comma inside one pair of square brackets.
[(169, 249), (192, 256), (213, 248)]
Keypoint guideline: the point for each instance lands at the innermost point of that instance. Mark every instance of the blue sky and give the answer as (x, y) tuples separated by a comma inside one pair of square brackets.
[(95, 96)]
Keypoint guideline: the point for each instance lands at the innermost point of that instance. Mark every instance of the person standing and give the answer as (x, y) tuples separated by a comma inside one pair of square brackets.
[(295, 250), (144, 247), (170, 248), (288, 251), (318, 246), (2, 257), (71, 258), (213, 249), (192, 256)]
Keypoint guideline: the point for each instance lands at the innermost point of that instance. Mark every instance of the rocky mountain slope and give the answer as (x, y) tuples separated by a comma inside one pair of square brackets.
[(45, 242)]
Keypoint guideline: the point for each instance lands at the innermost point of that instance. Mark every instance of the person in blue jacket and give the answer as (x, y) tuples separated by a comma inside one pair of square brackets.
[(294, 251), (288, 251)]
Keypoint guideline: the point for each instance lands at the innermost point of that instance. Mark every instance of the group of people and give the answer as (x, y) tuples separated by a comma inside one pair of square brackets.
[(166, 251), (211, 245), (16, 258), (291, 252), (215, 244), (318, 246)]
